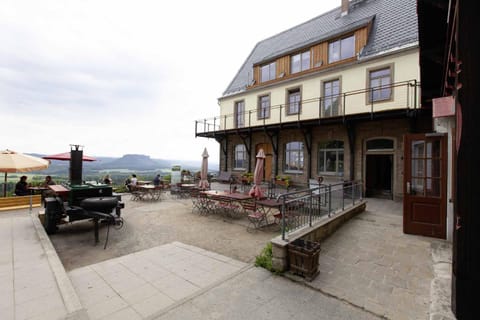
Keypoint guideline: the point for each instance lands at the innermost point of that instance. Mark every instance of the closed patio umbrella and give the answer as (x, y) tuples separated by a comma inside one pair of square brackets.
[(204, 171), (256, 191), (11, 161)]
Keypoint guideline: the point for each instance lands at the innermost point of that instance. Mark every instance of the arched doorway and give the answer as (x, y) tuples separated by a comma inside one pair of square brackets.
[(379, 164), (267, 168)]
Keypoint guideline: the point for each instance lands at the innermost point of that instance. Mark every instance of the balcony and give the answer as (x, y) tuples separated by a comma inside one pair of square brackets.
[(397, 98)]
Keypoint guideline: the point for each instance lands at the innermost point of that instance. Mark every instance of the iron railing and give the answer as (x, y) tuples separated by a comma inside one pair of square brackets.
[(400, 95), (304, 207)]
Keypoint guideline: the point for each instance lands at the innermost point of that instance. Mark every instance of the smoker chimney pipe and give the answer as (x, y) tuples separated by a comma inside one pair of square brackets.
[(76, 162)]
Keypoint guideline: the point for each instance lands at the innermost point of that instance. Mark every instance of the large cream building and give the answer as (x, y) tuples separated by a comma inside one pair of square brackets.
[(332, 97)]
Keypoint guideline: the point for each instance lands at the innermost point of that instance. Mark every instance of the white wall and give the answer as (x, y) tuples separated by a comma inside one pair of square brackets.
[(352, 78)]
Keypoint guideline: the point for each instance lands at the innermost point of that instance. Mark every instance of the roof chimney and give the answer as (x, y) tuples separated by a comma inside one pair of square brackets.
[(344, 7)]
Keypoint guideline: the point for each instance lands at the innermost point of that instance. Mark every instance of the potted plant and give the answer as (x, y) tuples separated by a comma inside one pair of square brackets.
[(247, 178), (283, 181)]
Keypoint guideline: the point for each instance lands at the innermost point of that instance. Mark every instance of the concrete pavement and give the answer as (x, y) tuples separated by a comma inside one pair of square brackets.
[(143, 284), (258, 294), (34, 284), (368, 269), (373, 265)]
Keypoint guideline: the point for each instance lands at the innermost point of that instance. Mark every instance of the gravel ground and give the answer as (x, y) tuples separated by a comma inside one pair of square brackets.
[(149, 224)]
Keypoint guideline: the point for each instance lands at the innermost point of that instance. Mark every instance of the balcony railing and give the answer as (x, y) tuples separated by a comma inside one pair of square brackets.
[(400, 95)]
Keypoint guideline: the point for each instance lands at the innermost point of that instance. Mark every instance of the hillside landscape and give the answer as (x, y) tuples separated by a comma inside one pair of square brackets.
[(127, 163)]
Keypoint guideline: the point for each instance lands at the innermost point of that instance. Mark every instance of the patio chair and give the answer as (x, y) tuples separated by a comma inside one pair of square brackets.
[(175, 191), (200, 202), (227, 207), (157, 192), (136, 193), (293, 211), (256, 218), (197, 201)]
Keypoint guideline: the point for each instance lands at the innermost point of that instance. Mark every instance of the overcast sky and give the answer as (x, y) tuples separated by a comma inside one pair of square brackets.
[(127, 76)]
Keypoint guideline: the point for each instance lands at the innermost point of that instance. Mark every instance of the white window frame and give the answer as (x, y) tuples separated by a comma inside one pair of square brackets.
[(264, 106), (337, 50), (268, 71), (296, 105), (302, 64), (240, 114), (239, 155), (329, 98), (339, 165), (294, 149), (383, 83)]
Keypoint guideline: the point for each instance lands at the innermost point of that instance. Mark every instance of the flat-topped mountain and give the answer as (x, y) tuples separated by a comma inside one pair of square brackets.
[(131, 162)]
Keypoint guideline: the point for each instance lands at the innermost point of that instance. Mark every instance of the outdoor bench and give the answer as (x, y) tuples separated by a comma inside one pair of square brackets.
[(224, 176), (19, 202)]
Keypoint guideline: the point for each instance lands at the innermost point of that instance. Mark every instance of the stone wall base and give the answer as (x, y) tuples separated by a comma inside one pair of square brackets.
[(318, 232)]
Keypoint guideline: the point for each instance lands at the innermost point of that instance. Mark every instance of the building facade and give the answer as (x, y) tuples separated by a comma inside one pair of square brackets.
[(332, 98)]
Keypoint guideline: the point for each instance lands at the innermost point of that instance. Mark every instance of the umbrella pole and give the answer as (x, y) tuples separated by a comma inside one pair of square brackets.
[(5, 186)]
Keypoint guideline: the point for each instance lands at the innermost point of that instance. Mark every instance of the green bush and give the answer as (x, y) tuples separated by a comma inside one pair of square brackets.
[(264, 260)]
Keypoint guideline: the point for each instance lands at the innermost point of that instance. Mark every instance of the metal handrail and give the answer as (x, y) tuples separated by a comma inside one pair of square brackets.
[(303, 207), (407, 99)]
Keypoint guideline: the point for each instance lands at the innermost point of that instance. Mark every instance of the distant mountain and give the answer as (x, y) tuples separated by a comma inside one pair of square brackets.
[(135, 162), (131, 162)]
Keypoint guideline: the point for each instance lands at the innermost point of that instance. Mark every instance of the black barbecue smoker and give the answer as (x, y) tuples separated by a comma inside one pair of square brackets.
[(77, 200)]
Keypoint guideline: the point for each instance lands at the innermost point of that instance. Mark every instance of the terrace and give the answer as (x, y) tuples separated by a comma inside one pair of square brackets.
[(162, 237)]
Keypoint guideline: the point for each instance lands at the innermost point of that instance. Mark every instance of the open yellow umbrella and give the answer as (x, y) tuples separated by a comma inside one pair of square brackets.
[(11, 161)]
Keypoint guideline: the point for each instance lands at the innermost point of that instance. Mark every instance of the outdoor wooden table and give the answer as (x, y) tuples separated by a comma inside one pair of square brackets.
[(226, 202), (269, 205), (214, 193), (149, 192), (239, 196), (186, 188)]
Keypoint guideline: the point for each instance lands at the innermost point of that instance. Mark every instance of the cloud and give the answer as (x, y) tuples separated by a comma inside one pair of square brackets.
[(124, 76)]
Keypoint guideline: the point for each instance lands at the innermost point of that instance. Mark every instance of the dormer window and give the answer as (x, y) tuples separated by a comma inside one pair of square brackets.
[(300, 62), (268, 71), (341, 49)]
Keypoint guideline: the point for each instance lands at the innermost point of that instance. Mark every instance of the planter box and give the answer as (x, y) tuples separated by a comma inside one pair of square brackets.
[(303, 256)]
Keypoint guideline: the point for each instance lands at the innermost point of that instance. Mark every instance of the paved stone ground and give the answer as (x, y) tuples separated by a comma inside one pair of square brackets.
[(149, 224), (141, 284), (28, 289), (372, 264), (258, 294), (368, 269)]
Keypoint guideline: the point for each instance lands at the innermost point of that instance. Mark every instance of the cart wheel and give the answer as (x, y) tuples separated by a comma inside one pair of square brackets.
[(99, 203)]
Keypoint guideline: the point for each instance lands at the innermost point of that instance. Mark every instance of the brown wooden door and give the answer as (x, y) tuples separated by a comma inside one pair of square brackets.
[(267, 169), (424, 203)]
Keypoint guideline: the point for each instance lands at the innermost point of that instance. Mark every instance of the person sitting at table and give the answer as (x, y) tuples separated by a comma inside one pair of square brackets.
[(48, 181), (127, 183), (21, 188), (133, 182), (157, 181), (107, 179)]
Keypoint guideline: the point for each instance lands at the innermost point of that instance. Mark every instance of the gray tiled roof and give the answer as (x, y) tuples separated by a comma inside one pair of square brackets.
[(394, 25)]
